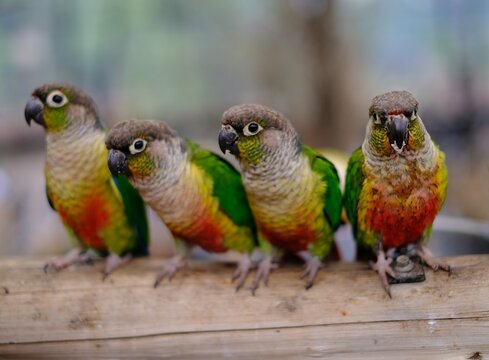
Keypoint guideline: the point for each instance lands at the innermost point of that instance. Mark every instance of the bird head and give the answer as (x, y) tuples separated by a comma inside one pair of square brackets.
[(58, 106), (138, 147), (251, 131), (394, 125)]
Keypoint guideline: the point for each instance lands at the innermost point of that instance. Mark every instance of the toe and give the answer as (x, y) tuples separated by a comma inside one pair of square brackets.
[(385, 284), (159, 279), (240, 283), (236, 275), (391, 272), (448, 269), (309, 284), (255, 284)]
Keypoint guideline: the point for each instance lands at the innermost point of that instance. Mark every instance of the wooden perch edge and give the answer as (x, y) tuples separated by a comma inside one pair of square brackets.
[(346, 315)]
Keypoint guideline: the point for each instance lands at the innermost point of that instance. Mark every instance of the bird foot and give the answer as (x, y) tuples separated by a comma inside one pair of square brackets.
[(425, 254), (170, 269), (242, 271), (114, 262), (74, 256), (311, 268), (263, 273), (383, 267)]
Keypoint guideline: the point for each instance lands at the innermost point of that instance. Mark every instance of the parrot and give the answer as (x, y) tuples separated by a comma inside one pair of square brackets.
[(294, 191), (396, 183), (101, 213), (198, 195)]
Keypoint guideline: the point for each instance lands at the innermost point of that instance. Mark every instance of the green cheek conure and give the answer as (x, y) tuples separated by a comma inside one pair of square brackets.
[(293, 191), (101, 213), (198, 195), (396, 183)]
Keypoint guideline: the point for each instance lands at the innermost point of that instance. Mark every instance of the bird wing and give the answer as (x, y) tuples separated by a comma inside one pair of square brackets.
[(226, 185), (136, 213), (329, 176), (353, 186)]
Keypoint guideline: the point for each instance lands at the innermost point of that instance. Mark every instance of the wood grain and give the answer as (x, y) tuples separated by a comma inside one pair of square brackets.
[(346, 315)]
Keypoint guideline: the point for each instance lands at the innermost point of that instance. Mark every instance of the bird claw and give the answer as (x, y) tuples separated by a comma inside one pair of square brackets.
[(427, 257), (74, 256), (114, 262), (383, 267), (170, 269), (263, 273), (312, 266), (55, 265), (242, 271)]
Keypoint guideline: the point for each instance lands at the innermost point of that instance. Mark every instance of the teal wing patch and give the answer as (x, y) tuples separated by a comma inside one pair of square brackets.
[(353, 186), (136, 213), (227, 185), (333, 199)]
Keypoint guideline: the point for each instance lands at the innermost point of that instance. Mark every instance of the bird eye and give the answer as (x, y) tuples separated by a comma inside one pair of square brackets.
[(375, 118), (252, 129), (414, 115), (56, 99), (137, 146)]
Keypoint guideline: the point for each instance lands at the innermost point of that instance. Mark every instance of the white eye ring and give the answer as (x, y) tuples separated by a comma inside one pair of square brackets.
[(414, 115), (137, 146), (255, 129), (375, 118), (56, 99)]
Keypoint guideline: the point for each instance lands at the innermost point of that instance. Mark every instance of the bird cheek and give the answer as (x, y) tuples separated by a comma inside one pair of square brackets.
[(272, 139), (412, 142)]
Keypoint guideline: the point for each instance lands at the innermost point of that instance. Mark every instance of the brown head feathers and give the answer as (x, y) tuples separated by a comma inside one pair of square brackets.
[(124, 133), (393, 102)]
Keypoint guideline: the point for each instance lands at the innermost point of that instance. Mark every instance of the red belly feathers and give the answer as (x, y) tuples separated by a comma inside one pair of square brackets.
[(402, 221), (89, 222)]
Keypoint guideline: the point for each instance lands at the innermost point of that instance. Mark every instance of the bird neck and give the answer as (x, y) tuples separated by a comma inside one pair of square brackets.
[(167, 171), (278, 156), (281, 162), (82, 158)]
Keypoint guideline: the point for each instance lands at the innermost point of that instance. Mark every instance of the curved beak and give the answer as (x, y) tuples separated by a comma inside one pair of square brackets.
[(228, 140), (118, 163), (397, 126), (34, 110)]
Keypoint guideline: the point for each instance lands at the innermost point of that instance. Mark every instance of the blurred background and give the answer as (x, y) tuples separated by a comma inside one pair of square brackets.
[(318, 61)]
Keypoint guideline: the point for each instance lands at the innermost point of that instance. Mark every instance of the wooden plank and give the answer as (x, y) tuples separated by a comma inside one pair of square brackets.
[(200, 315), (418, 339)]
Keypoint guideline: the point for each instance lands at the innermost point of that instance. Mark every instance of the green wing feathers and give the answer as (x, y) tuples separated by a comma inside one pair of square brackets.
[(333, 198), (136, 213), (353, 186), (227, 185)]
